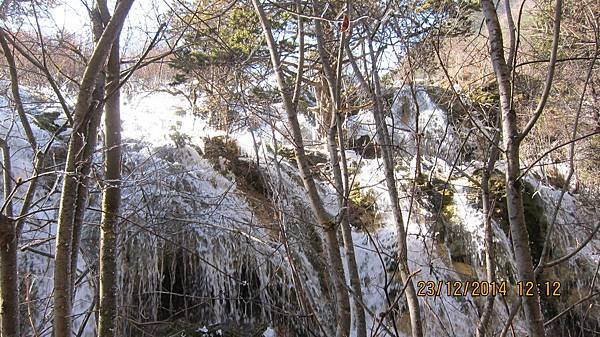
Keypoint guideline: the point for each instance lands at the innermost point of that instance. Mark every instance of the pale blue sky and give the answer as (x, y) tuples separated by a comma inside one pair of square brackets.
[(140, 27)]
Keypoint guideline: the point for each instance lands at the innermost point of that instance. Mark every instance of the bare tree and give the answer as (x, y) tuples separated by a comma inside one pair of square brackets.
[(511, 141), (487, 209), (384, 140), (99, 17), (84, 111), (329, 226), (111, 199), (333, 81), (9, 228), (9, 287)]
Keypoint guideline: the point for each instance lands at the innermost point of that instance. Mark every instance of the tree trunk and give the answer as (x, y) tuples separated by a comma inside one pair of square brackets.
[(14, 81), (111, 200), (82, 199), (353, 274), (9, 286), (490, 263), (83, 110), (514, 198), (388, 165), (99, 18), (359, 312), (386, 149), (417, 133), (334, 259), (333, 83)]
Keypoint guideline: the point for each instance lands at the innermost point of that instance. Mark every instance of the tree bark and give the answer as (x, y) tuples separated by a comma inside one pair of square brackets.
[(417, 133), (111, 200), (412, 300), (99, 17), (333, 83), (14, 81), (514, 198), (388, 165), (490, 263), (9, 286), (72, 177)]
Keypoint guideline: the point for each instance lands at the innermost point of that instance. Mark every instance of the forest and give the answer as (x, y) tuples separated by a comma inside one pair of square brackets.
[(299, 168)]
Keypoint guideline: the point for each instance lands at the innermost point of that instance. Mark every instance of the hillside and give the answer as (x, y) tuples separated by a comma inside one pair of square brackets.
[(207, 168)]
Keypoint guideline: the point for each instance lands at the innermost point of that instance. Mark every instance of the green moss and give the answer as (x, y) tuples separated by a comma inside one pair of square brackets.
[(47, 121), (366, 200), (220, 146), (535, 218), (449, 213), (421, 180), (284, 152), (439, 193), (448, 225), (497, 186), (447, 100), (439, 197), (362, 207), (484, 97)]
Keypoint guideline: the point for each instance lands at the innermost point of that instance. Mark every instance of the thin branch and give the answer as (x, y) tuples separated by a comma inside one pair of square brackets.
[(139, 63), (28, 55), (511, 316), (569, 59), (7, 179), (14, 84), (565, 187), (300, 68), (554, 149), (550, 75), (575, 251), (459, 97), (587, 298)]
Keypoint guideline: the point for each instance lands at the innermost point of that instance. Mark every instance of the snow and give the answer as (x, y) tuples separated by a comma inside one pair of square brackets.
[(207, 212), (153, 117), (269, 333)]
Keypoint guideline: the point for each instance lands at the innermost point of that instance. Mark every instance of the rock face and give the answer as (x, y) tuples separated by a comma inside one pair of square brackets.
[(217, 243), (366, 147), (230, 330)]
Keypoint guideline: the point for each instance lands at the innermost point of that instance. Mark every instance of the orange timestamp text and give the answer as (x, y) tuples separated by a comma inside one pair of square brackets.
[(461, 288), (484, 288)]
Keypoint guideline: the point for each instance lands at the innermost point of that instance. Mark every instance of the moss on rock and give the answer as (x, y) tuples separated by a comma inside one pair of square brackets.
[(362, 208), (535, 217), (439, 195)]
